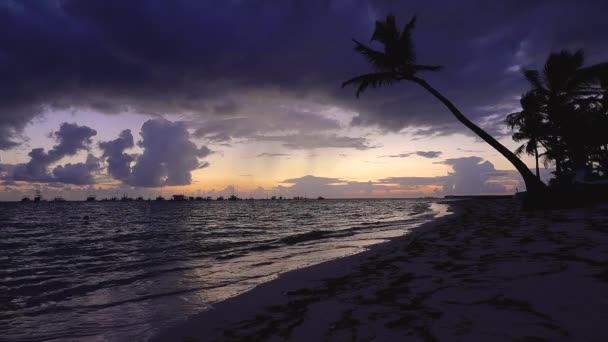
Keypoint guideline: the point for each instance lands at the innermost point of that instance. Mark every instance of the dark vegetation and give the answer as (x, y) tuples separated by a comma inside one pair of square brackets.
[(564, 118)]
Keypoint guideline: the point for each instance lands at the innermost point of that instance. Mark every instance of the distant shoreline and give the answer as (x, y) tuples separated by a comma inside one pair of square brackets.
[(284, 199)]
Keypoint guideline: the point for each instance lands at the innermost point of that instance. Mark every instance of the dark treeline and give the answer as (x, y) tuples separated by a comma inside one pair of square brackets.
[(564, 119)]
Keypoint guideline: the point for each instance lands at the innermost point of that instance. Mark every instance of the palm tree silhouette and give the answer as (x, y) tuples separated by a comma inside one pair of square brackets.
[(563, 88), (398, 63), (530, 127)]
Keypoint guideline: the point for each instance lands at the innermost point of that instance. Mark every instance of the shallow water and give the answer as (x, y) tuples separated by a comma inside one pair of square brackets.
[(123, 271)]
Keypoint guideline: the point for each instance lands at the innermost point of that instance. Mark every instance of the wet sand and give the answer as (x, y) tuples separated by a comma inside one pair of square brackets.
[(490, 272)]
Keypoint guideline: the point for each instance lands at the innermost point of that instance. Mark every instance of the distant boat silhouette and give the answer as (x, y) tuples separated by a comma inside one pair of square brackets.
[(160, 198), (139, 198), (233, 198), (38, 197), (91, 198), (179, 198), (125, 198), (58, 199), (221, 198), (320, 198), (26, 199)]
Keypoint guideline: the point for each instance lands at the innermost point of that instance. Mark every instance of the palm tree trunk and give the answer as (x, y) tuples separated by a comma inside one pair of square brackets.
[(534, 185), (536, 157)]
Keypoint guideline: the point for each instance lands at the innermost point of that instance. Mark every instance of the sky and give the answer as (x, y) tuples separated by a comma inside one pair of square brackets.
[(220, 97)]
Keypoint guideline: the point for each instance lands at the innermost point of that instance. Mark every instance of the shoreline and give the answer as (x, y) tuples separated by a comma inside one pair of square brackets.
[(489, 271), (274, 291)]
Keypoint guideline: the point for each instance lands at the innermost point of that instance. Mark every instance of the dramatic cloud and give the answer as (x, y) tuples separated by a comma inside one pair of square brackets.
[(169, 156), (71, 139), (425, 154), (159, 57), (472, 176), (119, 163)]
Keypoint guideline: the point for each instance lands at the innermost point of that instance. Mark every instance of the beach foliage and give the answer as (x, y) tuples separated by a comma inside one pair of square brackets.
[(564, 118)]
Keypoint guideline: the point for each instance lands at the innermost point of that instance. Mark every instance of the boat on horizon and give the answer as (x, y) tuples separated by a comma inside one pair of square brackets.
[(179, 198), (38, 197)]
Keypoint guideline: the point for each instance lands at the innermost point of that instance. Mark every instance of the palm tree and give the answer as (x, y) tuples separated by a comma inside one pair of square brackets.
[(565, 90), (398, 63), (530, 127)]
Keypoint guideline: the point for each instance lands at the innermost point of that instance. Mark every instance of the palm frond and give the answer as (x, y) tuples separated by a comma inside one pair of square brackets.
[(533, 77), (513, 119), (531, 147), (519, 136), (594, 74), (560, 68), (406, 45), (396, 62), (386, 31), (407, 29), (378, 59), (373, 80), (417, 68)]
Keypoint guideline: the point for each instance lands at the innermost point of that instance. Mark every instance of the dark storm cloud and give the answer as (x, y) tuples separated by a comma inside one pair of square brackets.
[(169, 156), (71, 139), (160, 57)]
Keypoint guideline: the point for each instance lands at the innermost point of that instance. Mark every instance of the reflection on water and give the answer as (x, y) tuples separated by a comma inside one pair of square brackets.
[(123, 271)]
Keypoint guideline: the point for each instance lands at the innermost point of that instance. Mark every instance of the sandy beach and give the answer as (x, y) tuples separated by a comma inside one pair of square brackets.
[(489, 272)]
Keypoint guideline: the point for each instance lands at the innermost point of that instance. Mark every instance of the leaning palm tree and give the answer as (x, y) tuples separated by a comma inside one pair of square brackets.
[(398, 63)]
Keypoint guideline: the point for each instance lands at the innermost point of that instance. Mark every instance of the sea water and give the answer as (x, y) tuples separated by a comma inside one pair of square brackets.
[(98, 271)]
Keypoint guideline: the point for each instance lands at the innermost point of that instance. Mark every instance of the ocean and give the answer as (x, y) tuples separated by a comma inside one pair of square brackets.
[(122, 271)]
